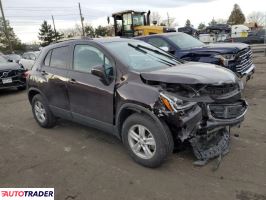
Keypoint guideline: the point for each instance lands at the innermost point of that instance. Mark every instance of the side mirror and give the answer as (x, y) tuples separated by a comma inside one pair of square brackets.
[(98, 71)]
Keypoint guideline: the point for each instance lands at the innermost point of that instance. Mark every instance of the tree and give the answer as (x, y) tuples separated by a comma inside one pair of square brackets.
[(221, 21), (188, 23), (89, 31), (46, 34), (77, 31), (257, 17), (58, 35), (201, 26), (155, 18), (101, 31), (212, 22), (4, 44), (236, 16)]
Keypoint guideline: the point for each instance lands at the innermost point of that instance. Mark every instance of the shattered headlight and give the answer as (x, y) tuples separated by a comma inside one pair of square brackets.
[(225, 58), (174, 104)]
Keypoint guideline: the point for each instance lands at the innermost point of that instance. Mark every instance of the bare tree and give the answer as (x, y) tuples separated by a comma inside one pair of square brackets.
[(221, 21), (155, 18), (257, 17)]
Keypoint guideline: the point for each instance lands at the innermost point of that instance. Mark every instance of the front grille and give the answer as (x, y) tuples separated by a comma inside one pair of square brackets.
[(8, 73), (221, 89), (244, 61), (227, 111)]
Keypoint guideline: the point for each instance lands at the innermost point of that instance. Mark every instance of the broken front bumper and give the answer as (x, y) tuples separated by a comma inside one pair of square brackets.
[(213, 136), (222, 115)]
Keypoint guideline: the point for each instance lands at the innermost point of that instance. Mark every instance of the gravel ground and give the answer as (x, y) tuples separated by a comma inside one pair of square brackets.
[(83, 163)]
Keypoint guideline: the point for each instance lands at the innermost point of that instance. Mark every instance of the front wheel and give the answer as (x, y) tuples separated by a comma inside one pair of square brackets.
[(148, 143)]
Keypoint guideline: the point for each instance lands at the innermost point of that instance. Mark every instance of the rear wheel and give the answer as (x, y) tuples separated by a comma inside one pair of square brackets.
[(42, 112), (147, 142)]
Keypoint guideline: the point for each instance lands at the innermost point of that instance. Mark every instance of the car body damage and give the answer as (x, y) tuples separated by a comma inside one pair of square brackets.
[(207, 102)]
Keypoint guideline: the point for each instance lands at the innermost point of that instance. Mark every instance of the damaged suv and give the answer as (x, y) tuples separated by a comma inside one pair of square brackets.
[(141, 94)]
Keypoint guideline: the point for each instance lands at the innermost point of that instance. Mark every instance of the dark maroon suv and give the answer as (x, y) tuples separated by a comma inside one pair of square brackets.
[(139, 93)]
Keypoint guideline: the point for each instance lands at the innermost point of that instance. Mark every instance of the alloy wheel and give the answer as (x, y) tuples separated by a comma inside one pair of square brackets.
[(141, 141)]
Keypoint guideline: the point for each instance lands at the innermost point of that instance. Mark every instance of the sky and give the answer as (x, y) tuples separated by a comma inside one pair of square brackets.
[(25, 16)]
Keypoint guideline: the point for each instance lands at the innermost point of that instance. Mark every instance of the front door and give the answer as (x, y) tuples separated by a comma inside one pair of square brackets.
[(91, 98)]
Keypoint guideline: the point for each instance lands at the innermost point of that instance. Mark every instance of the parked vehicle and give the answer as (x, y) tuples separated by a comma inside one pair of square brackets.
[(254, 37), (236, 57), (13, 57), (139, 93), (28, 59), (215, 33), (11, 75), (130, 23), (239, 30)]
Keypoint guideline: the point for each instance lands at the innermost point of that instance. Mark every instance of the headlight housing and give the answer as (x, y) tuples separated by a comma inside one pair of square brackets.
[(174, 104), (225, 58)]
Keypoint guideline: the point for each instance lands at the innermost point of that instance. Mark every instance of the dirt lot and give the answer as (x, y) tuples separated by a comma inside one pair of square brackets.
[(82, 163)]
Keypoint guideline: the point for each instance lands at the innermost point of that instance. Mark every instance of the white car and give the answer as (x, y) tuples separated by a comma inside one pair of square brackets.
[(28, 59)]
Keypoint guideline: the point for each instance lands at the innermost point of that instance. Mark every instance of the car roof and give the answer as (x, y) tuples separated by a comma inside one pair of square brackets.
[(102, 40)]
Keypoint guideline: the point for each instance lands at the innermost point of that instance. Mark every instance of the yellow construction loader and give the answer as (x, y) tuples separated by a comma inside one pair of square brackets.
[(132, 23)]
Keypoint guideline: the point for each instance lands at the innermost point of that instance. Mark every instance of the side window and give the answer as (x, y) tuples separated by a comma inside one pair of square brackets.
[(59, 57), (158, 42), (48, 58), (86, 57)]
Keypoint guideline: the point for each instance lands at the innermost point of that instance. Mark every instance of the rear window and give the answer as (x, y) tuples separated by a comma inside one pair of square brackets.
[(59, 57)]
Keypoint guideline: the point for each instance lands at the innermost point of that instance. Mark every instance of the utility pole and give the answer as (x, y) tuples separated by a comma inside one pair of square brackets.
[(265, 33), (168, 19), (5, 28), (81, 19), (54, 29)]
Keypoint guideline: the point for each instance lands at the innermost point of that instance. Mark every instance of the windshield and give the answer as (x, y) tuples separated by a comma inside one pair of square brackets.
[(2, 59), (185, 41), (140, 56)]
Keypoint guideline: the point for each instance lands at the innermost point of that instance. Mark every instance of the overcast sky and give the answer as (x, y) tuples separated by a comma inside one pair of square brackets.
[(26, 15)]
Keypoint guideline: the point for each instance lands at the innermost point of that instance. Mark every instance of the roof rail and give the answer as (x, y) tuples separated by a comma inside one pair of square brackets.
[(73, 38)]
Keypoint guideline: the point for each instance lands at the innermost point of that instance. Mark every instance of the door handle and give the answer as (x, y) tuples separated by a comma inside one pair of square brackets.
[(44, 72), (72, 80)]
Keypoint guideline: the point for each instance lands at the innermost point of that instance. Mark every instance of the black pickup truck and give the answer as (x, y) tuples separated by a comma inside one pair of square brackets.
[(234, 56)]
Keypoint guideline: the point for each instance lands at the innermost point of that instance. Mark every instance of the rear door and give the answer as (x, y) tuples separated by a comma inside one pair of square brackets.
[(54, 70), (91, 99)]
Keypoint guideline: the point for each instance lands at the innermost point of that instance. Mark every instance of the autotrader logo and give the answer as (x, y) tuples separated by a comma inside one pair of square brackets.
[(26, 193)]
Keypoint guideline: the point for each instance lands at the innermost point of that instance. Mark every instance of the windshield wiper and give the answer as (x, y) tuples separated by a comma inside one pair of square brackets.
[(159, 52), (139, 48)]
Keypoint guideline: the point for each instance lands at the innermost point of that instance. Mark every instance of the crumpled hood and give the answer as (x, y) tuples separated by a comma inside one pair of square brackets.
[(9, 66), (192, 73)]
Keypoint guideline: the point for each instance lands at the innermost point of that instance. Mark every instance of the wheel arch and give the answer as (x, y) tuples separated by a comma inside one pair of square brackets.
[(32, 92), (128, 109)]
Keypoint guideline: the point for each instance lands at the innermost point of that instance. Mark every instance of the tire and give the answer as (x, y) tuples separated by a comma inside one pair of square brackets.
[(44, 117), (154, 133)]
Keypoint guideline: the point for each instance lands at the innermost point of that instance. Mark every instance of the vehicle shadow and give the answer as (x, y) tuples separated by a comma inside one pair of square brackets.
[(9, 92), (181, 151)]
